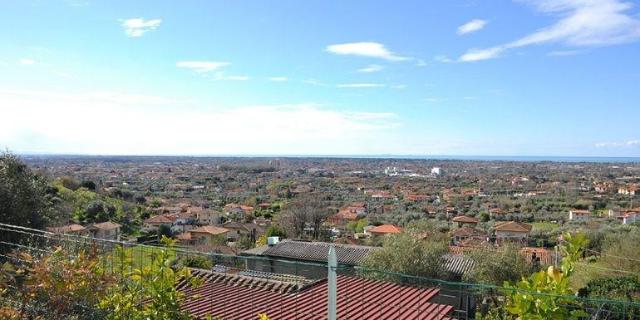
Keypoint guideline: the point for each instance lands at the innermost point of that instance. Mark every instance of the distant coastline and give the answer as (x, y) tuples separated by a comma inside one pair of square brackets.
[(565, 159)]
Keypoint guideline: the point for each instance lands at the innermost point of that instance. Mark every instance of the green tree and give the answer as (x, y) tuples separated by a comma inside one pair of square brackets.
[(408, 254), (497, 266), (23, 194), (99, 211)]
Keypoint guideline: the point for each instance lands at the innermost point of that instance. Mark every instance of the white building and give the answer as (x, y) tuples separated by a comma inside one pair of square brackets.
[(579, 215), (436, 171)]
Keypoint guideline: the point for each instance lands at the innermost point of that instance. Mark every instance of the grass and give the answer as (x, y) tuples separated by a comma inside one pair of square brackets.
[(545, 226)]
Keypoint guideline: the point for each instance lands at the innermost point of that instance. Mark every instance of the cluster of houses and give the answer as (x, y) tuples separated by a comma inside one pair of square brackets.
[(206, 229), (625, 216), (104, 230)]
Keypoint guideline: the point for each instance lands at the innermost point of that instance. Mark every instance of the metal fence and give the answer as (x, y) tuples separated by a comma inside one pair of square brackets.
[(240, 287)]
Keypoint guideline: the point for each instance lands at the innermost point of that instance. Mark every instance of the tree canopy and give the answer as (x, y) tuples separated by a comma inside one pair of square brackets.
[(23, 194)]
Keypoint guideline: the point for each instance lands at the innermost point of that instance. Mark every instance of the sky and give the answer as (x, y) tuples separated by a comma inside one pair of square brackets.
[(289, 77)]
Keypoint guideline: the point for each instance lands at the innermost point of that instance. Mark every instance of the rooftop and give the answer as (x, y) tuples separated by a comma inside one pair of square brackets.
[(237, 297), (313, 251)]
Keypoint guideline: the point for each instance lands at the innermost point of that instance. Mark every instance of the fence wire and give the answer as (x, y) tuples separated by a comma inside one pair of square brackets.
[(240, 287)]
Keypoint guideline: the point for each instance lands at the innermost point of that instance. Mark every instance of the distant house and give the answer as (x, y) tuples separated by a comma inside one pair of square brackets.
[(462, 220), (348, 213), (626, 216), (205, 235), (384, 229), (496, 212), (208, 217), (73, 229), (106, 230), (512, 230), (630, 217), (237, 210), (602, 187), (579, 215), (540, 256), (239, 229), (464, 233), (154, 222), (629, 190)]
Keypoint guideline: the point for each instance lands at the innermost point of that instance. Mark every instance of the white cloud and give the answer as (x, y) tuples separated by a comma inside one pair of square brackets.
[(472, 26), (365, 49), (481, 54), (137, 27), (399, 86), (121, 123), (27, 62), (202, 66), (278, 79), (360, 85), (236, 78), (564, 53), (442, 58), (421, 63), (624, 144), (314, 82), (371, 68), (582, 23)]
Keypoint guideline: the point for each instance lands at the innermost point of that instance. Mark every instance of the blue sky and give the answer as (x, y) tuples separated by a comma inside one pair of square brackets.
[(463, 77)]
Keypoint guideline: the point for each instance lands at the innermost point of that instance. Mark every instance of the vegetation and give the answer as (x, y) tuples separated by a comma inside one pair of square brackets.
[(25, 199), (407, 254), (497, 266), (155, 283), (547, 294)]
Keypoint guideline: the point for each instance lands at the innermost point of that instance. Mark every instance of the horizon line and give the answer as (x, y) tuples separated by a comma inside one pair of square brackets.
[(369, 156)]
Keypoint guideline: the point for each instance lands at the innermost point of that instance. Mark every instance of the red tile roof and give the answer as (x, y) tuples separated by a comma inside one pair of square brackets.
[(386, 229), (161, 219), (465, 219), (213, 230), (358, 298), (106, 225), (67, 229), (513, 226)]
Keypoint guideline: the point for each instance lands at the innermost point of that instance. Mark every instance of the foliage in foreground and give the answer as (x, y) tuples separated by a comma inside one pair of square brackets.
[(547, 294), (59, 285)]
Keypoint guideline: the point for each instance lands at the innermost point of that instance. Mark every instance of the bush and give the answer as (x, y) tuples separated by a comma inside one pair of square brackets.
[(196, 261)]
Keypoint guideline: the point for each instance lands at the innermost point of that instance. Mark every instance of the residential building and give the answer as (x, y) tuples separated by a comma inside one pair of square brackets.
[(629, 190), (154, 222), (579, 215), (106, 230), (73, 229), (383, 230), (349, 213), (512, 230), (465, 220), (464, 233), (241, 229), (208, 217)]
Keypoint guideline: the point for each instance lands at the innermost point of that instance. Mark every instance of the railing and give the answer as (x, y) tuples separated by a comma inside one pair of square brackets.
[(240, 287)]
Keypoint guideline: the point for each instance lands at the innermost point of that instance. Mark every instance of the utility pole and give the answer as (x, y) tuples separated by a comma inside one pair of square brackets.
[(332, 283)]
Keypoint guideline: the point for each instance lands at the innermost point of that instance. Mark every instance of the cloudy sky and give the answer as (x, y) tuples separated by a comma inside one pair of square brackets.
[(454, 77)]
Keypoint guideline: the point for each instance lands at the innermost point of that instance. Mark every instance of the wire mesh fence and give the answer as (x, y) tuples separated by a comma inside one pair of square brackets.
[(239, 286)]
